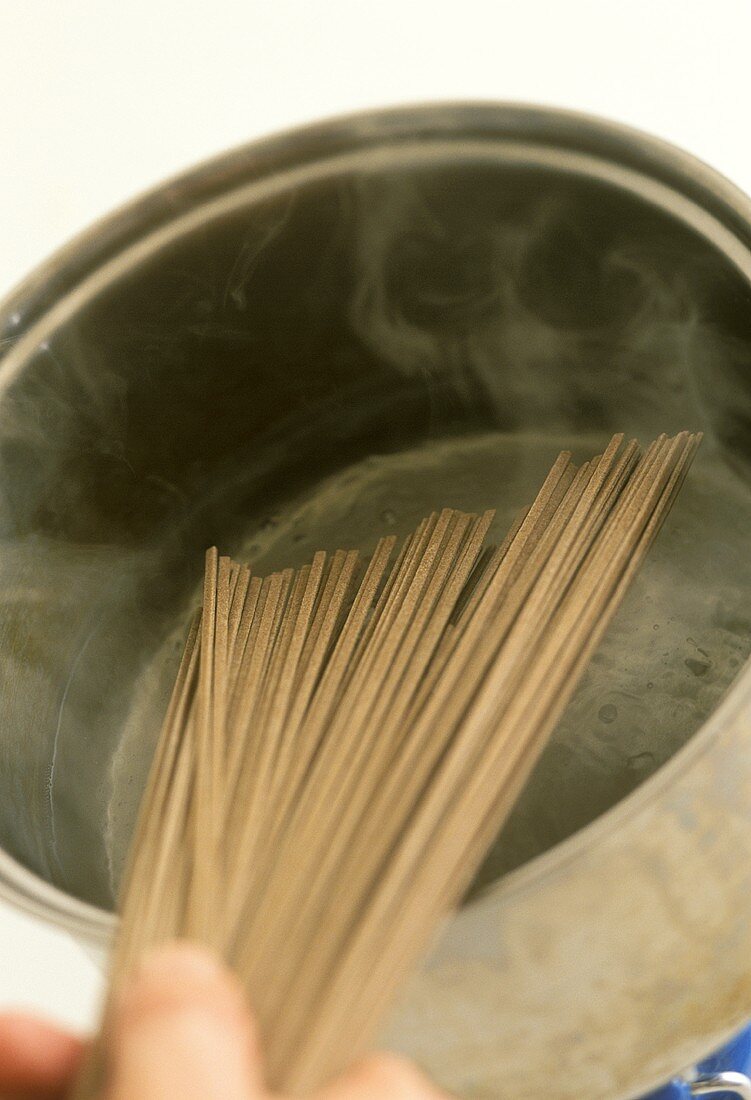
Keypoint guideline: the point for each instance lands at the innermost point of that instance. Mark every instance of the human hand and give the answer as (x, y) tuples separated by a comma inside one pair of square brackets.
[(181, 1029)]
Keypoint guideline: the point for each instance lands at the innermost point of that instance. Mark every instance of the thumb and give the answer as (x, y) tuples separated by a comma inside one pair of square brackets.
[(182, 1028)]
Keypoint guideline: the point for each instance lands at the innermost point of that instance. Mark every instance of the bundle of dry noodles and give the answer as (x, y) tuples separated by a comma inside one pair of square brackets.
[(344, 742)]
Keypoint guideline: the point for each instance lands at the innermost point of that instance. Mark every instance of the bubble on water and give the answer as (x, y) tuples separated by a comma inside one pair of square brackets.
[(640, 760), (699, 668)]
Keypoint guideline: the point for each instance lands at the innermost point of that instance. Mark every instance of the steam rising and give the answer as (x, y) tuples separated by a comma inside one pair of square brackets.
[(556, 311)]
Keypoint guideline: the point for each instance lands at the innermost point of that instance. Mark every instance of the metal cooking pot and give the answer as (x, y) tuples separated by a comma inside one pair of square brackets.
[(320, 336)]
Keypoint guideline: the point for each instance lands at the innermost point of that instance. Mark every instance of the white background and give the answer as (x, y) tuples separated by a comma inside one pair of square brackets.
[(102, 98)]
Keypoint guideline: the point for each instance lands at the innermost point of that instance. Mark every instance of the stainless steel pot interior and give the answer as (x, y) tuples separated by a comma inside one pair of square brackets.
[(327, 334)]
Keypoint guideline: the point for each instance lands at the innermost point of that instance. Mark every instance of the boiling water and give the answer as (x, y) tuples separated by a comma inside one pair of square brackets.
[(676, 644)]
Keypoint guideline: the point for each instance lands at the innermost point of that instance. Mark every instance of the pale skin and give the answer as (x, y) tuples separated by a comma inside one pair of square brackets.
[(183, 1028)]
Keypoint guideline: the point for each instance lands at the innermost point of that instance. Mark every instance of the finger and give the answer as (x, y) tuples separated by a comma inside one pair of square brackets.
[(381, 1076), (36, 1058), (183, 1028)]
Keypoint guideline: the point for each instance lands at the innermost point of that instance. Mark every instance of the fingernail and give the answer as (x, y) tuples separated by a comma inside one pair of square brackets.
[(178, 974), (181, 961)]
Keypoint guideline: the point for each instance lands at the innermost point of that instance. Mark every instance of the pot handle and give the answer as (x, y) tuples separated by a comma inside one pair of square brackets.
[(727, 1084)]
